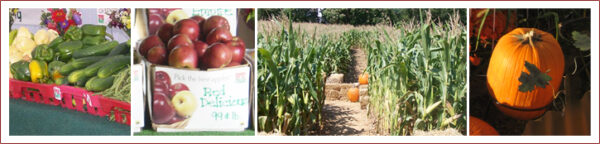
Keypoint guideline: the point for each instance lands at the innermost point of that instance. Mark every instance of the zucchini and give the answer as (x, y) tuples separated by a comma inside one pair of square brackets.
[(93, 40), (57, 41), (76, 77), (66, 69), (112, 68), (99, 84), (122, 48), (83, 62), (78, 64), (92, 70), (81, 82), (66, 49), (97, 50)]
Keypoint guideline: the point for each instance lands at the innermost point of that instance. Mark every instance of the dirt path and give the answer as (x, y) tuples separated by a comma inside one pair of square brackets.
[(359, 63), (346, 118), (343, 117)]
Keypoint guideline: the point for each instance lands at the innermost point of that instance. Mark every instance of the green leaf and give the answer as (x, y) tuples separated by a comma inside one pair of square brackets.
[(582, 41), (534, 78)]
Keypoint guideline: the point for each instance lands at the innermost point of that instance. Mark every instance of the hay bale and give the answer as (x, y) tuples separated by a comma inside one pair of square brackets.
[(364, 102), (335, 78)]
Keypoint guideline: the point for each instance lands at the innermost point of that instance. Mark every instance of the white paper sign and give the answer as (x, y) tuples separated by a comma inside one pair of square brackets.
[(57, 93), (222, 97), (137, 97)]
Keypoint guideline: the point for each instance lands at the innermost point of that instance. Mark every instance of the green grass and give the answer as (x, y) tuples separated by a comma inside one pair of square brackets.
[(148, 132)]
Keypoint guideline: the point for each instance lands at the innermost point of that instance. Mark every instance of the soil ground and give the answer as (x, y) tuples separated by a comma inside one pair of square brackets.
[(342, 117), (359, 63)]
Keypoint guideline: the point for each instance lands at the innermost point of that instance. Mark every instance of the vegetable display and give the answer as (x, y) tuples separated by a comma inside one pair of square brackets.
[(508, 72), (83, 57)]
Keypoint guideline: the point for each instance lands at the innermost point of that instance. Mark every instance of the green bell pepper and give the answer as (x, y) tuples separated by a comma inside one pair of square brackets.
[(20, 70), (94, 30), (66, 49), (53, 68), (43, 52), (74, 33)]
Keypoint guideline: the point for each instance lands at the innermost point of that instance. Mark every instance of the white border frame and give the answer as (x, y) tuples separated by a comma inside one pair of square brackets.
[(593, 5)]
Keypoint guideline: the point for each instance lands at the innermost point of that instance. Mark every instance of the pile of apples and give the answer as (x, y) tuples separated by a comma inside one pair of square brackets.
[(194, 43)]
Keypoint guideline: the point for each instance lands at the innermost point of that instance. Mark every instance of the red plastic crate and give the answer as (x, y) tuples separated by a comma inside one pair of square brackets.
[(117, 108), (34, 92), (71, 97), (13, 89), (81, 100)]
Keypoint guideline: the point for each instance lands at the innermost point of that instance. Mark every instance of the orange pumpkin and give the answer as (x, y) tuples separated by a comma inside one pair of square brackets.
[(353, 94), (508, 62), (363, 78), (479, 127)]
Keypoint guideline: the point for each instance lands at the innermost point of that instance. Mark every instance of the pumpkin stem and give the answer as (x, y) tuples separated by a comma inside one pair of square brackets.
[(530, 37)]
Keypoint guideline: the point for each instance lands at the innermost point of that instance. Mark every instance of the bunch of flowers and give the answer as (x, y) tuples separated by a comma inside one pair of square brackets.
[(59, 19), (120, 19)]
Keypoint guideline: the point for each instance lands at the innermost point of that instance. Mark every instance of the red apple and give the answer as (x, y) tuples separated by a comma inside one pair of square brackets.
[(188, 27), (218, 35), (175, 88), (154, 11), (154, 21), (157, 55), (214, 22), (162, 83), (162, 109), (200, 48), (165, 32), (149, 43), (183, 57), (200, 21), (238, 48), (163, 77), (217, 55), (178, 40)]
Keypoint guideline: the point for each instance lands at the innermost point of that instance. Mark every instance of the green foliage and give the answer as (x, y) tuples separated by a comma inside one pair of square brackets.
[(361, 16), (534, 78), (300, 14), (291, 69), (419, 80), (582, 41)]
